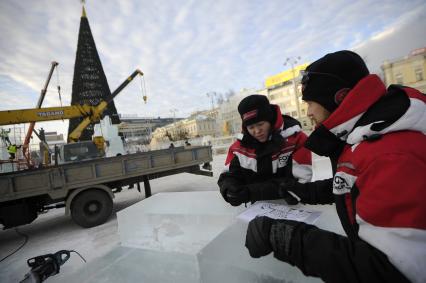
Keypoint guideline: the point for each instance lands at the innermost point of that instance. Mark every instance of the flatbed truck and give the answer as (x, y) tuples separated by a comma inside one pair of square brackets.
[(86, 188)]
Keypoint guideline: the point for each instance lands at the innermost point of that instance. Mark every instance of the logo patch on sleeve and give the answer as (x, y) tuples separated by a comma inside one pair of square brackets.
[(343, 183), (283, 159)]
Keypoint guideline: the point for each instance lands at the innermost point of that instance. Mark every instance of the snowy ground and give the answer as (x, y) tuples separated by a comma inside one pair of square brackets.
[(54, 231)]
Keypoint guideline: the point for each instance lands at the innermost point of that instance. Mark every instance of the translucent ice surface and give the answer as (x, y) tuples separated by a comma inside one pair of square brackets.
[(181, 222), (191, 237), (225, 259), (123, 265)]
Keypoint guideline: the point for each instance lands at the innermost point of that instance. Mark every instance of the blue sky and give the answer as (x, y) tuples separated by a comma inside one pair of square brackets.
[(189, 48)]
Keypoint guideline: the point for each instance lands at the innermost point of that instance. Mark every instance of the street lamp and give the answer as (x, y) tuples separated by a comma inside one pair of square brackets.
[(293, 61), (212, 95), (173, 111)]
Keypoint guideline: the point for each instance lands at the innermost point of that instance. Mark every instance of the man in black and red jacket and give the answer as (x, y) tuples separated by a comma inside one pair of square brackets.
[(376, 137), (268, 154)]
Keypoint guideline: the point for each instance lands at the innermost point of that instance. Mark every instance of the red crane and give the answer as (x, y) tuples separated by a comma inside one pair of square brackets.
[(25, 147)]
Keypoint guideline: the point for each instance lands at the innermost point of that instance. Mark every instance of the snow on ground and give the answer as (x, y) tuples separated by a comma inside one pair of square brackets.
[(53, 231)]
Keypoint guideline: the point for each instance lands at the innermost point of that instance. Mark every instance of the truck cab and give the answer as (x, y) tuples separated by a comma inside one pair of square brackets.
[(78, 151)]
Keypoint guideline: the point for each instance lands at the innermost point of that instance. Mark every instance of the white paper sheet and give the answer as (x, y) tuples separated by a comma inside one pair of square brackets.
[(279, 211)]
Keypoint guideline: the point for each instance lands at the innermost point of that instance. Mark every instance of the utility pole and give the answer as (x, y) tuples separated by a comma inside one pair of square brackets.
[(293, 61)]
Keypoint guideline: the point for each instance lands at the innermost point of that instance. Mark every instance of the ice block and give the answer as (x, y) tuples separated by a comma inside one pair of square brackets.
[(191, 237), (225, 259), (182, 222)]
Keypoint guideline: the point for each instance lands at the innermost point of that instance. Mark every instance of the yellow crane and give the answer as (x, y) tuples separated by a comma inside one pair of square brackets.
[(91, 114)]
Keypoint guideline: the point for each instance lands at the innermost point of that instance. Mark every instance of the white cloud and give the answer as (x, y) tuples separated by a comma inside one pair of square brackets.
[(188, 48)]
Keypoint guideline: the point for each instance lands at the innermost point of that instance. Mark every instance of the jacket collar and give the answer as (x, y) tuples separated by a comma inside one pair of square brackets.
[(367, 92), (360, 116)]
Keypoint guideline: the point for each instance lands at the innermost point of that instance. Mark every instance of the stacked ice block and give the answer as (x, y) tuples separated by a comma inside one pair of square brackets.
[(190, 237)]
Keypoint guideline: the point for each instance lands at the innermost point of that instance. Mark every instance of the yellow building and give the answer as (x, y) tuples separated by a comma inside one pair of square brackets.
[(284, 90), (409, 70)]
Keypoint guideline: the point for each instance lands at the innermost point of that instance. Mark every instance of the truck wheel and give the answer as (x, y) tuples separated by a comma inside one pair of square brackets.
[(91, 208)]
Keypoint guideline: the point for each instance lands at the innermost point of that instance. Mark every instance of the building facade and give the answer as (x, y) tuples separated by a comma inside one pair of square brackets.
[(228, 119), (409, 70), (139, 129), (197, 125), (284, 89)]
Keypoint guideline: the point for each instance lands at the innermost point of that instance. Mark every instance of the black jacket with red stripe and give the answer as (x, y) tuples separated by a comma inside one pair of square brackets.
[(283, 155), (379, 189)]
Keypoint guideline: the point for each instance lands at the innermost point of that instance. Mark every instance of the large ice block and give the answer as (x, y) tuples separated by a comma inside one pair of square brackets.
[(225, 259), (191, 237), (182, 222), (130, 265)]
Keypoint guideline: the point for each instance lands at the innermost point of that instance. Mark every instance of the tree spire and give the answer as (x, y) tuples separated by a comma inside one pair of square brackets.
[(83, 13)]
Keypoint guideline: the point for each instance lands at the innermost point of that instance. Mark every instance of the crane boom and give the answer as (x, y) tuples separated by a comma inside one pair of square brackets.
[(54, 64), (91, 114), (9, 117), (99, 109)]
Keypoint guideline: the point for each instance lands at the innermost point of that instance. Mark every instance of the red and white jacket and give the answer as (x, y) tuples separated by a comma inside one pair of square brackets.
[(380, 183), (283, 155)]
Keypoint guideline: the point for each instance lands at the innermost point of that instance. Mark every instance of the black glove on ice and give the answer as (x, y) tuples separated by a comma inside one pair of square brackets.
[(265, 235)]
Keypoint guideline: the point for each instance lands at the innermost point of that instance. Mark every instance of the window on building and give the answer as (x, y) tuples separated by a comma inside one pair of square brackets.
[(305, 124), (399, 79), (303, 112), (294, 114), (419, 74)]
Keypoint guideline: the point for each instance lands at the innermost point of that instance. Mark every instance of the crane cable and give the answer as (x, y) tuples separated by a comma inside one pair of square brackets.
[(58, 85), (143, 87)]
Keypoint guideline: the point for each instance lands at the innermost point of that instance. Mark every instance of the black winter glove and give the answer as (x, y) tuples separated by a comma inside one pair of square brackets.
[(285, 185), (257, 237), (273, 189), (237, 195), (265, 235)]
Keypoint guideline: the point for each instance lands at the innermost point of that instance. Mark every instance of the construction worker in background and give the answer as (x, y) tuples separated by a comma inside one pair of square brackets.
[(12, 149), (42, 135), (4, 135)]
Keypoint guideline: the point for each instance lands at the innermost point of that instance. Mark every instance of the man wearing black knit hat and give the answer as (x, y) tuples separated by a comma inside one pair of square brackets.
[(268, 155), (375, 138)]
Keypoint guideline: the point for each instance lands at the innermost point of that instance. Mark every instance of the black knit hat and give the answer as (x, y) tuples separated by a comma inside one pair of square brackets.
[(326, 80), (255, 108)]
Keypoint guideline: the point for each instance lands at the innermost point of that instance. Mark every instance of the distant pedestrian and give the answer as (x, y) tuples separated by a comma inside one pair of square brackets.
[(171, 146), (187, 143)]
